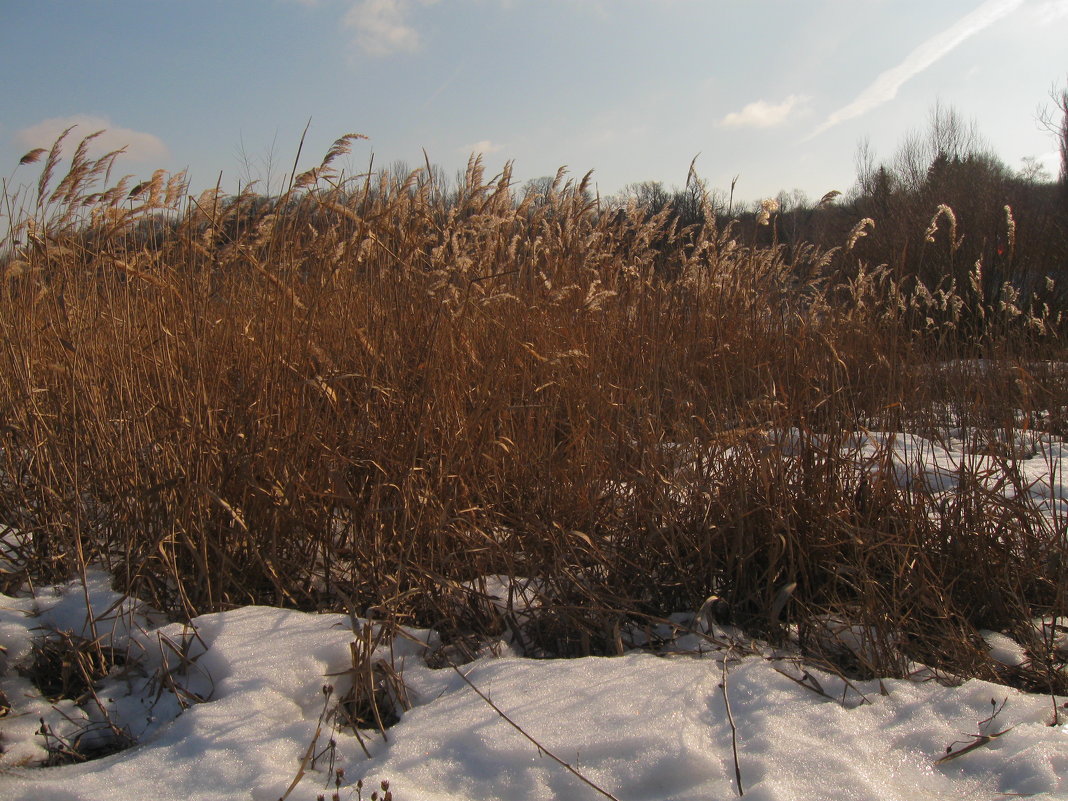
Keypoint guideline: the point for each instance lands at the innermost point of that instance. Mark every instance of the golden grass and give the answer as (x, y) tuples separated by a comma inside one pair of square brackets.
[(366, 392)]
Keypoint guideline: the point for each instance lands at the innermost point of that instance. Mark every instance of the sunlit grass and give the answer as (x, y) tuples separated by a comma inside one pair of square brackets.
[(367, 392)]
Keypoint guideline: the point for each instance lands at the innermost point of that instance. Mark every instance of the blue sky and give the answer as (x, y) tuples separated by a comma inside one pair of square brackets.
[(778, 92)]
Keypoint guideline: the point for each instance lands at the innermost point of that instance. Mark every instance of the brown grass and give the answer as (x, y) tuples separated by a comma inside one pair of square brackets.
[(367, 392)]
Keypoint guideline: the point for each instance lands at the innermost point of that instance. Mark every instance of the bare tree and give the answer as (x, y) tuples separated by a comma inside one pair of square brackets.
[(652, 195), (539, 190), (865, 163), (1033, 171), (1055, 121), (949, 133), (948, 138)]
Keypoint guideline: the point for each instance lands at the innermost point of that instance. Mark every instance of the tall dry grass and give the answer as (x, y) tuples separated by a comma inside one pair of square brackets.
[(370, 392)]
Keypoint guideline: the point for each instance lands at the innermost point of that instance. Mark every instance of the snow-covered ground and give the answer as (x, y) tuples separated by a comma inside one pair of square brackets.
[(234, 707), (641, 726)]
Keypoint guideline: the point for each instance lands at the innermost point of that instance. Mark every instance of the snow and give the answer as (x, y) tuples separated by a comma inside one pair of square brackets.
[(230, 705), (641, 726)]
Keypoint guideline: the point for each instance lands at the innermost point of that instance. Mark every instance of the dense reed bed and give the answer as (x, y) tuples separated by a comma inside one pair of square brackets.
[(369, 392)]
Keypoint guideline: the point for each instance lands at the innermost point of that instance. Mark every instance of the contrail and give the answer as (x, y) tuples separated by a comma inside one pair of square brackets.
[(884, 88)]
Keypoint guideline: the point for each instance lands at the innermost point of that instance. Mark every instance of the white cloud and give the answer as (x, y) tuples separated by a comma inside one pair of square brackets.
[(382, 26), (885, 87), (762, 114), (1051, 11), (140, 146), (483, 147)]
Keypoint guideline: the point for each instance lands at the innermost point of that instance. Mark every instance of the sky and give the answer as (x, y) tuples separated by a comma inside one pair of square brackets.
[(777, 93)]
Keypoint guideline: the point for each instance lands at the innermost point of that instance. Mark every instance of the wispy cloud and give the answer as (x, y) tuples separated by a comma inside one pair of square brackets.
[(1051, 10), (762, 114), (140, 146), (483, 147), (885, 87), (382, 26)]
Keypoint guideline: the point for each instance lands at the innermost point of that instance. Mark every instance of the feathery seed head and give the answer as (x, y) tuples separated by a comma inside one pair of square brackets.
[(33, 156), (1010, 226), (859, 230)]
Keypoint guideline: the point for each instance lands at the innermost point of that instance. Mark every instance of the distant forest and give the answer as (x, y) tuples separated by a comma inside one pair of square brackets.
[(1015, 222)]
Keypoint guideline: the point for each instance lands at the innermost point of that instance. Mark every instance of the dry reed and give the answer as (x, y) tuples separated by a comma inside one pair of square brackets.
[(367, 392)]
